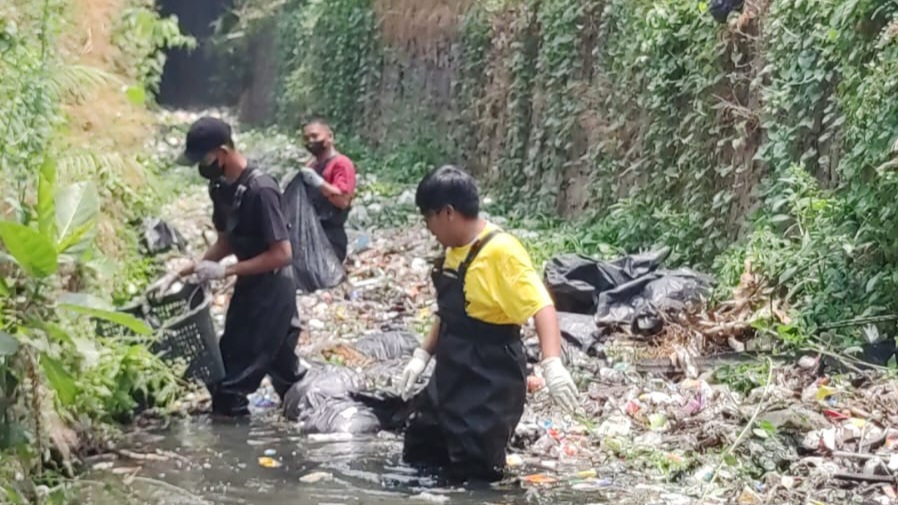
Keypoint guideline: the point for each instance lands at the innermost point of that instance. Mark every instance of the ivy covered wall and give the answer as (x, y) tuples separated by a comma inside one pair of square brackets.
[(645, 121)]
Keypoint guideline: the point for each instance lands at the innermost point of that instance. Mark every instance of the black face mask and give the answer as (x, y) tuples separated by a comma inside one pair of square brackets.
[(316, 148), (213, 171)]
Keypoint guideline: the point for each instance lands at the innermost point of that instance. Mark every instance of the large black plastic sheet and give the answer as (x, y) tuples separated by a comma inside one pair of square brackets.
[(578, 329), (573, 279), (629, 292), (315, 265)]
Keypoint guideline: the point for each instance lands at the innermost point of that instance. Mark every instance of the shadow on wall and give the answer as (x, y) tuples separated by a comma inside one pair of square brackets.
[(186, 80)]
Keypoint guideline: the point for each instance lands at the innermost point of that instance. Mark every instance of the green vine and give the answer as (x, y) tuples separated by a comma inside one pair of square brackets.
[(768, 138), (143, 36)]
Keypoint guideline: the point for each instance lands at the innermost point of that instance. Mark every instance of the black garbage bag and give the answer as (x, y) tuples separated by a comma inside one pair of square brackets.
[(630, 292), (335, 399), (157, 236), (573, 280), (323, 402), (321, 379), (315, 265), (721, 9), (340, 414), (638, 304), (578, 329), (388, 346)]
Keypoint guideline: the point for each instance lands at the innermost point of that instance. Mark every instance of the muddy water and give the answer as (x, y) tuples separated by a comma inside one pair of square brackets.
[(217, 462)]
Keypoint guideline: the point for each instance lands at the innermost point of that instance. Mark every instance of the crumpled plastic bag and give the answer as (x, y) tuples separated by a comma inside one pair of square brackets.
[(389, 345), (338, 399), (315, 264), (157, 237)]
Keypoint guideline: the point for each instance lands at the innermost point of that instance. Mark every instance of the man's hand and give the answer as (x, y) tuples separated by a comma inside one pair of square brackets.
[(561, 385), (159, 288), (311, 177), (210, 271), (412, 371)]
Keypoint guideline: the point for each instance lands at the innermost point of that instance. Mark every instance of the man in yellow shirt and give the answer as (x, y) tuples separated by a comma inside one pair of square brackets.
[(486, 289)]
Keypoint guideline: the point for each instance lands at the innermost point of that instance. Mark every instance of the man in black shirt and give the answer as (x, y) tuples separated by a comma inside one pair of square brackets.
[(261, 327)]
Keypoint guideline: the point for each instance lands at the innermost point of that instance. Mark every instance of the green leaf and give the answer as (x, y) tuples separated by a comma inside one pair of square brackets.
[(871, 284), (8, 344), (77, 208), (60, 379), (136, 95), (768, 427), (788, 274), (31, 249), (95, 307), (46, 198)]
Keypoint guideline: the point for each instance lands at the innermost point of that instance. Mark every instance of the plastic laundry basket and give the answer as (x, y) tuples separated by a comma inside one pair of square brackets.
[(184, 330), (190, 335), (107, 329), (153, 311)]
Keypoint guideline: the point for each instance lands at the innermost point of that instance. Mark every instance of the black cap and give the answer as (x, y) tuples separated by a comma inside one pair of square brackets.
[(205, 134)]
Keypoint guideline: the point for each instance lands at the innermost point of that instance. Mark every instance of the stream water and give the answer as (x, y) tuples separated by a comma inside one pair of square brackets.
[(211, 461)]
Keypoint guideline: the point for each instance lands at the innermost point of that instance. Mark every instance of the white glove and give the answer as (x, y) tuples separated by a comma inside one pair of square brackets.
[(159, 288), (209, 271), (311, 177), (412, 371), (561, 385)]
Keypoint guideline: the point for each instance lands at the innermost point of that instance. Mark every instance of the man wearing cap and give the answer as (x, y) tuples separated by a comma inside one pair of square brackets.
[(261, 327), (332, 176)]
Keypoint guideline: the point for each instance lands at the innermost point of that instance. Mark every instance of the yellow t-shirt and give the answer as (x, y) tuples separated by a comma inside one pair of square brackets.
[(501, 286)]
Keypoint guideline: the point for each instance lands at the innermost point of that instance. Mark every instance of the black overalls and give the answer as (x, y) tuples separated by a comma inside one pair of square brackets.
[(465, 417), (333, 218), (262, 324)]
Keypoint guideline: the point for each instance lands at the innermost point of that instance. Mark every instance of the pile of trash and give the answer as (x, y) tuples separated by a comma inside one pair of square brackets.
[(671, 388), (634, 311)]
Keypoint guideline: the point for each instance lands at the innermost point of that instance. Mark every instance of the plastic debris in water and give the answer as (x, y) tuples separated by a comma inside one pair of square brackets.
[(591, 484), (587, 474), (430, 497), (270, 452), (539, 478), (267, 462), (330, 437), (316, 477), (513, 460)]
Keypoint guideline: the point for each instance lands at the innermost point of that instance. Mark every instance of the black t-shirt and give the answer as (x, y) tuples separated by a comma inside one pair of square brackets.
[(260, 217)]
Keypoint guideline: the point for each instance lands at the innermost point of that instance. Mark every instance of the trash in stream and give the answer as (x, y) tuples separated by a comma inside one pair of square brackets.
[(316, 477), (654, 407), (267, 462)]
